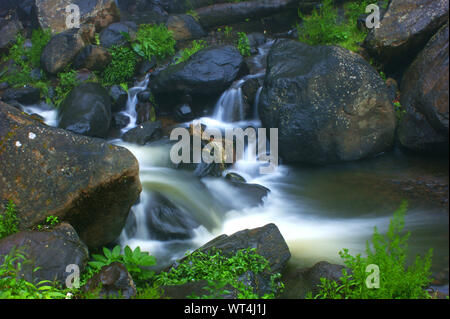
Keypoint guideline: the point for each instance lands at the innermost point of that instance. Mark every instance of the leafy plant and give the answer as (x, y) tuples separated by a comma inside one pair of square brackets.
[(8, 220), (13, 286), (399, 110), (389, 253), (122, 66), (52, 220), (221, 271), (188, 52), (228, 31), (134, 260), (243, 44), (322, 25), (154, 41), (67, 81)]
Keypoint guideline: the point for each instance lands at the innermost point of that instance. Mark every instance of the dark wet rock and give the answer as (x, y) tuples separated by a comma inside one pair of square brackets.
[(208, 72), (393, 89), (100, 13), (36, 74), (233, 12), (61, 50), (235, 177), (9, 29), (405, 29), (142, 12), (86, 110), (49, 171), (328, 103), (113, 34), (119, 98), (51, 250), (144, 96), (144, 133), (120, 120), (267, 240), (185, 27), (113, 281), (145, 112), (24, 95), (300, 282), (249, 90), (425, 94), (146, 66), (92, 57)]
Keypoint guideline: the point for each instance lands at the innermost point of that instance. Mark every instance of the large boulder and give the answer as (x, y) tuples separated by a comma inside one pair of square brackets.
[(267, 240), (52, 251), (185, 27), (52, 13), (61, 50), (405, 28), (328, 104), (208, 72), (86, 110), (49, 171), (425, 97)]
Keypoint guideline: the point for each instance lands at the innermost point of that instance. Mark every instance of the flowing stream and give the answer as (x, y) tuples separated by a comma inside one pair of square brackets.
[(319, 210)]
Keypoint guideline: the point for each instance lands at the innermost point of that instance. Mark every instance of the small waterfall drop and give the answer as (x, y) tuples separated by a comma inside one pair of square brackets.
[(130, 110)]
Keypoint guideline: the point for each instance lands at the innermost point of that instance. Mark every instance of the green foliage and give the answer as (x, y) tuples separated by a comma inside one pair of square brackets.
[(52, 220), (399, 110), (8, 221), (25, 58), (134, 260), (389, 253), (243, 44), (188, 52), (13, 286), (67, 81), (122, 66), (322, 26), (154, 41), (221, 271)]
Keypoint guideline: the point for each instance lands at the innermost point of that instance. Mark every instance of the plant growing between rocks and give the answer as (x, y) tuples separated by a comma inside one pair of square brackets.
[(389, 253)]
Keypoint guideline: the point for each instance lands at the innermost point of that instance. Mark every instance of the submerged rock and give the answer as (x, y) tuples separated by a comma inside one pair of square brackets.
[(49, 171), (425, 93), (86, 110), (52, 251), (328, 103)]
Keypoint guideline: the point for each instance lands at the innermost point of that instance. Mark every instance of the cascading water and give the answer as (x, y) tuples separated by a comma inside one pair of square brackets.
[(319, 211), (130, 110)]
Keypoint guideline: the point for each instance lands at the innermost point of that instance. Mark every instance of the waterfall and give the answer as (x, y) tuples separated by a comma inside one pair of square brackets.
[(130, 110), (230, 107)]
